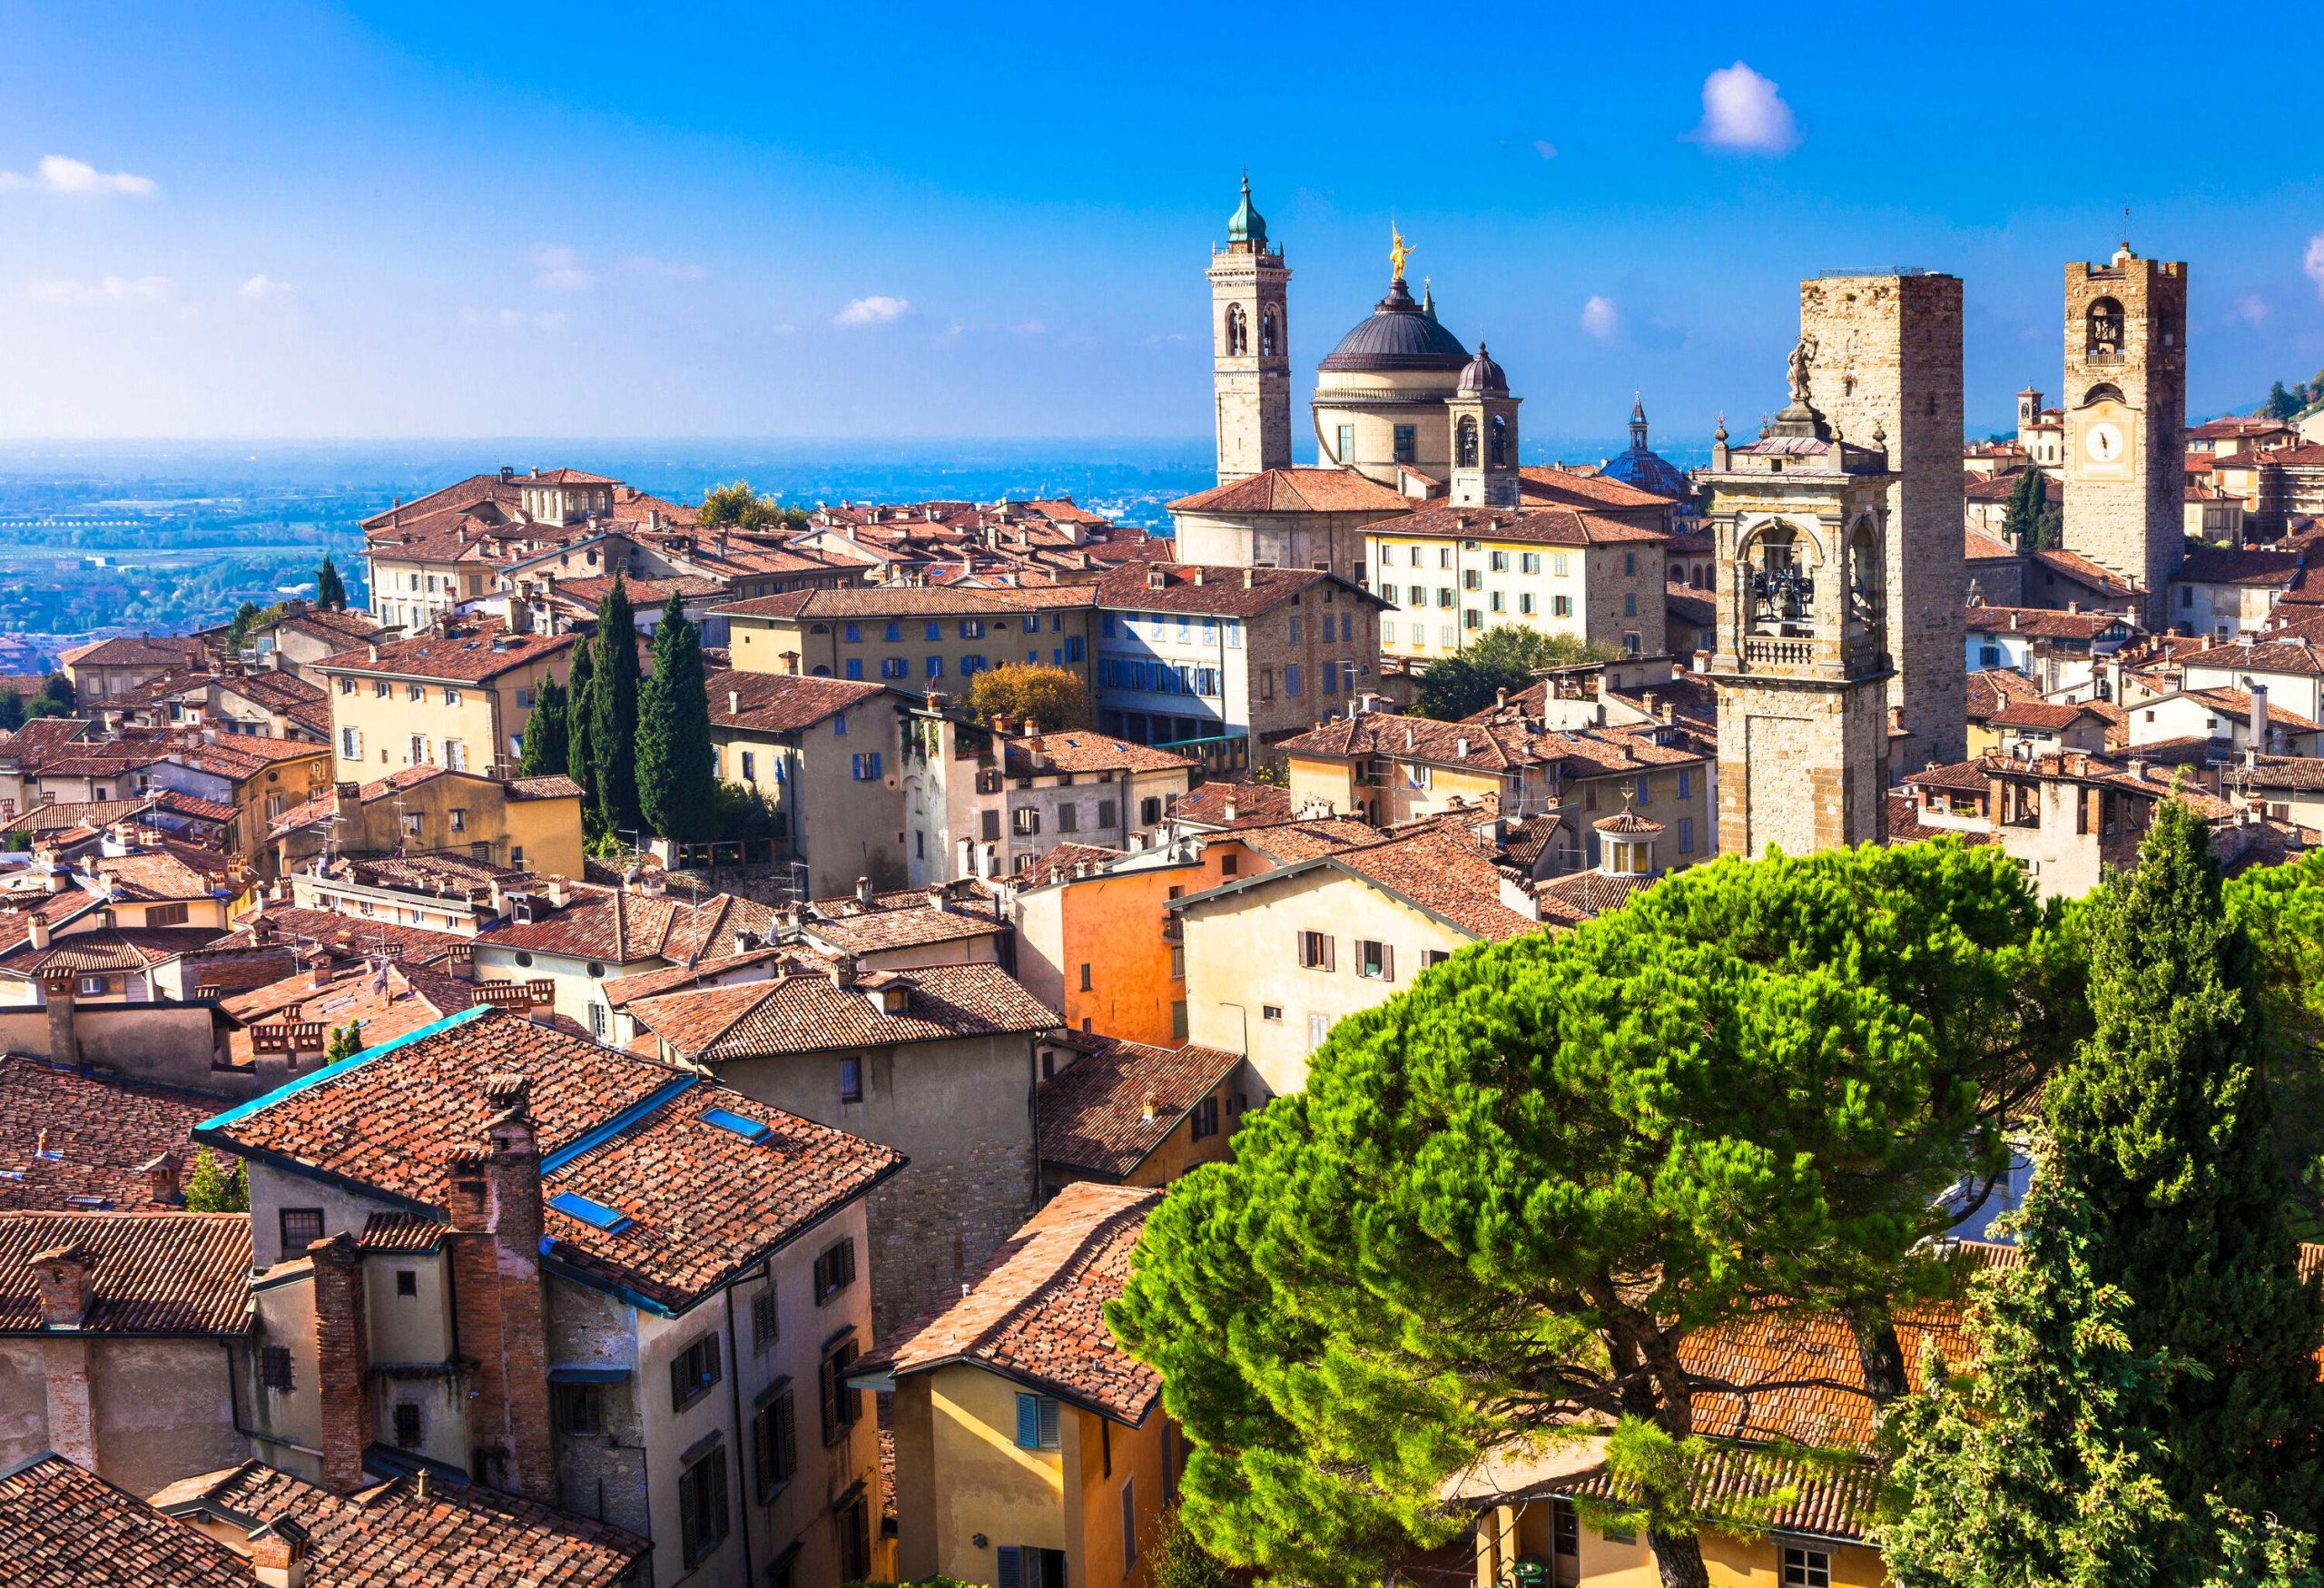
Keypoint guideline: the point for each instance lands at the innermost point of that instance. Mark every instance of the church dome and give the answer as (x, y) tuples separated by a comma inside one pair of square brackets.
[(1484, 376), (1644, 468), (1399, 334)]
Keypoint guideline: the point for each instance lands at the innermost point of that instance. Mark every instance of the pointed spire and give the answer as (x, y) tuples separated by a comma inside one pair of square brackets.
[(1637, 422), (1247, 224), (1428, 296)]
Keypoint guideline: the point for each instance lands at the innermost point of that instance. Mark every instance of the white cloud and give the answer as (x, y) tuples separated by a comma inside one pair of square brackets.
[(1743, 111), (265, 286), (2312, 261), (104, 290), (1601, 317), (561, 268), (2251, 309), (61, 174), (876, 310), (1545, 149)]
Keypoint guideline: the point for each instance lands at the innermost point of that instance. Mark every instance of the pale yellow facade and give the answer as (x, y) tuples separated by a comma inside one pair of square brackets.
[(1507, 1535), (380, 723), (1447, 592)]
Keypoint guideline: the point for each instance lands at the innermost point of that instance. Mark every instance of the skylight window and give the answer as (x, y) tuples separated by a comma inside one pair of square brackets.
[(748, 1129), (595, 1215)]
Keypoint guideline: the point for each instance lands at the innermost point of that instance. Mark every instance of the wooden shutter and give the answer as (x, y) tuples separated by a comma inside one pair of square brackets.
[(1028, 1422), (1330, 953), (1012, 1566), (1387, 962), (1047, 1407)]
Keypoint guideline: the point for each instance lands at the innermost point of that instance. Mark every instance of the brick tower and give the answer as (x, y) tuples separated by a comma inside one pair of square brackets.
[(1887, 356), (1802, 669), (1250, 331), (2126, 419)]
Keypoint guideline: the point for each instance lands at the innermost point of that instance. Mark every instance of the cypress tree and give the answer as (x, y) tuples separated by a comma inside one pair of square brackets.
[(546, 735), (12, 710), (2023, 521), (613, 712), (330, 590), (2147, 1409), (676, 763), (580, 708)]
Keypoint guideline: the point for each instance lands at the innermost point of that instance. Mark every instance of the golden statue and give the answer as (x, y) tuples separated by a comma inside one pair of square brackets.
[(1397, 251)]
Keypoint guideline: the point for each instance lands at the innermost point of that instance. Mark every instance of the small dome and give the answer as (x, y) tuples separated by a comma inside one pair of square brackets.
[(1484, 376), (1247, 224), (1397, 335)]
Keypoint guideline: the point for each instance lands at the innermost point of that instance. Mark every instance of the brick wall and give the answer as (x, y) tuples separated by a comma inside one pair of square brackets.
[(342, 1359)]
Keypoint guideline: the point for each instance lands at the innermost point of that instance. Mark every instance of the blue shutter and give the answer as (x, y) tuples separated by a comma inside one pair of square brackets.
[(1028, 1427), (1012, 1566)]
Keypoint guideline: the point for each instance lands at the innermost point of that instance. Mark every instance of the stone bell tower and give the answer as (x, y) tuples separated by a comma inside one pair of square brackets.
[(1485, 436), (1250, 332), (2126, 419), (1802, 671)]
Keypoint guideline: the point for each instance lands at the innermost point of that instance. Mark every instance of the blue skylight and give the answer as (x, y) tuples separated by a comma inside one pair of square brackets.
[(597, 1215), (725, 1119)]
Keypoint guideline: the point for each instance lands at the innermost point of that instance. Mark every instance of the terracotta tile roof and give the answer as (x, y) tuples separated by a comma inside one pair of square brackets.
[(803, 1011), (1446, 877), (477, 649), (1968, 777), (2041, 714), (1216, 590), (618, 926), (156, 875), (702, 1200), (43, 740), (2081, 570), (2041, 623), (901, 920), (150, 1273), (643, 593), (401, 1532), (1085, 750), (1534, 526), (1834, 1501), (781, 703), (1253, 803), (1991, 689), (2237, 704), (147, 650), (62, 1526), (552, 786), (2266, 657), (621, 991), (1112, 1106), (1290, 843), (110, 949), (476, 487), (1295, 491), (1036, 1312), (402, 1232), (1057, 865), (382, 1004), (98, 1133), (2301, 771), (1568, 488), (179, 803), (96, 813), (1978, 546), (873, 601), (347, 936)]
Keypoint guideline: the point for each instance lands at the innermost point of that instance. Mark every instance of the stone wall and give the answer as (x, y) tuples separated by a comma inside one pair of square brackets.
[(1822, 775), (2130, 518)]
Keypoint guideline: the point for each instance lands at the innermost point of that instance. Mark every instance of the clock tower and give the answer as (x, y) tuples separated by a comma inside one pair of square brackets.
[(2126, 419)]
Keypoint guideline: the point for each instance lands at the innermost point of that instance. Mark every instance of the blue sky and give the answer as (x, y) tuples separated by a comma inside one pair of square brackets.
[(425, 220)]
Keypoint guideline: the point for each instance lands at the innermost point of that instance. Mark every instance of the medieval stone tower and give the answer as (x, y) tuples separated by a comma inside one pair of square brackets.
[(1886, 354), (2126, 419), (1800, 518), (1485, 436), (1250, 348)]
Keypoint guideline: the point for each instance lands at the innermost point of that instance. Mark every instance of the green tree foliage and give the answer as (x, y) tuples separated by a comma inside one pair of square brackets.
[(2282, 909), (1508, 1197), (1505, 658), (1054, 697), (2145, 1408), (580, 708), (237, 632), (1177, 1560), (548, 733), (735, 505), (12, 710), (2028, 507), (345, 1041), (613, 712), (217, 1185), (330, 590), (677, 767), (56, 698), (739, 812), (2281, 404)]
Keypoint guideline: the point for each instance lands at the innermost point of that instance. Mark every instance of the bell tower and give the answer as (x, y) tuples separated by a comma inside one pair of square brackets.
[(2126, 419), (1800, 518), (1250, 336), (1485, 436)]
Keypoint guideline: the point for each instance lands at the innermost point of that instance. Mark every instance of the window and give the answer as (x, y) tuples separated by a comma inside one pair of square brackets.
[(1407, 450), (1560, 606), (1472, 579), (852, 633), (407, 1282), (1068, 817), (1319, 1026), (1498, 602), (936, 666), (750, 767), (1686, 835), (1525, 603), (1315, 951), (834, 1269), (1806, 1568), (1178, 1006), (1558, 563), (1630, 605), (598, 1021), (1024, 1566), (1431, 957), (694, 1373), (854, 1524), (867, 766), (350, 744), (1273, 1012), (1473, 618), (702, 1505), (894, 667), (1375, 960), (301, 1227), (580, 1411), (1129, 1525), (419, 749), (838, 726), (1629, 562), (1686, 783), (766, 1323), (1529, 562), (410, 1434), (1387, 631), (1085, 975), (165, 915), (1206, 1117), (415, 692), (1037, 1422), (842, 1405), (1347, 442), (1418, 595), (774, 1438), (850, 1082), (1024, 821), (973, 628), (1290, 682)]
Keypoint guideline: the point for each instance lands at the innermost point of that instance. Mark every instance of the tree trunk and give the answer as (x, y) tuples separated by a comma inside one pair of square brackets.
[(1877, 1352), (1678, 1559)]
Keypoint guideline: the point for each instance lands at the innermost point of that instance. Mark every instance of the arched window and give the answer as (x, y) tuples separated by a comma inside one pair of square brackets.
[(1501, 441), (2105, 326), (1238, 330), (1779, 592), (2105, 392), (1267, 332), (1866, 577), (1464, 442)]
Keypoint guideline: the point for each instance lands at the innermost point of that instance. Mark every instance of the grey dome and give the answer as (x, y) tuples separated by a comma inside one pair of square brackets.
[(1397, 335), (1484, 376)]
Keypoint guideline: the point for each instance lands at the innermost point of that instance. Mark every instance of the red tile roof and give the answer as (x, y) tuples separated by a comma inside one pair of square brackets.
[(621, 926), (878, 601), (1086, 750), (62, 1526), (1295, 491), (1036, 1314), (1217, 590), (474, 651), (1538, 525), (1112, 1106), (2074, 565), (781, 703), (149, 1273), (802, 1011), (2041, 623), (1568, 488), (1205, 806)]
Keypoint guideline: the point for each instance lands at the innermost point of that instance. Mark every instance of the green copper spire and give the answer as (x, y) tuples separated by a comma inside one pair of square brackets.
[(1428, 300), (1247, 224)]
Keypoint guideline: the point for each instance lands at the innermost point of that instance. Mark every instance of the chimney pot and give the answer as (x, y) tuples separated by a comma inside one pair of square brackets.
[(64, 1274), (733, 702)]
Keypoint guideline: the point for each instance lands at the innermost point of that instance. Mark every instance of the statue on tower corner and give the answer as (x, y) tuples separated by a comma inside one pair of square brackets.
[(1802, 356), (1397, 253)]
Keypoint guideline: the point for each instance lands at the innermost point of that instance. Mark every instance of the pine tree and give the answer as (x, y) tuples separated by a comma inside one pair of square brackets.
[(213, 1186), (676, 763), (12, 710), (56, 698), (546, 743), (2023, 521), (613, 713), (580, 711), (2146, 1408), (345, 1041), (331, 591)]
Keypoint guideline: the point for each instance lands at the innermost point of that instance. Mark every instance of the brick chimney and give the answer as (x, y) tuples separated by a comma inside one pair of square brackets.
[(163, 1175), (342, 1360), (279, 1553), (65, 1276), (495, 1202), (863, 892)]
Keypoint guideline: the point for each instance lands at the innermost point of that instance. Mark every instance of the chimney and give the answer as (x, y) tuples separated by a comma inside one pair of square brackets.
[(374, 651), (1501, 698), (733, 702), (843, 972), (863, 892), (495, 1204), (1156, 579), (278, 1551), (2138, 769), (64, 1021), (162, 1175), (342, 1359), (936, 897), (1250, 578), (1227, 809), (37, 926), (1196, 575), (2258, 718), (64, 1274), (1152, 1105), (1702, 661), (1033, 727)]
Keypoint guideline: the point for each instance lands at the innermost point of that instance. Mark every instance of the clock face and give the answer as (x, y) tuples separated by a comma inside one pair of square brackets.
[(2103, 443)]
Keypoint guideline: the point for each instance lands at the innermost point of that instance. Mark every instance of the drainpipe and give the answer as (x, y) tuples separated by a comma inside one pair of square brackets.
[(735, 1395)]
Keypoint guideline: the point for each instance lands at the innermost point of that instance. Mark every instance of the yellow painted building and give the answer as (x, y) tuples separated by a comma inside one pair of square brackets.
[(457, 695), (1032, 1457), (526, 823), (1454, 574), (914, 638)]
